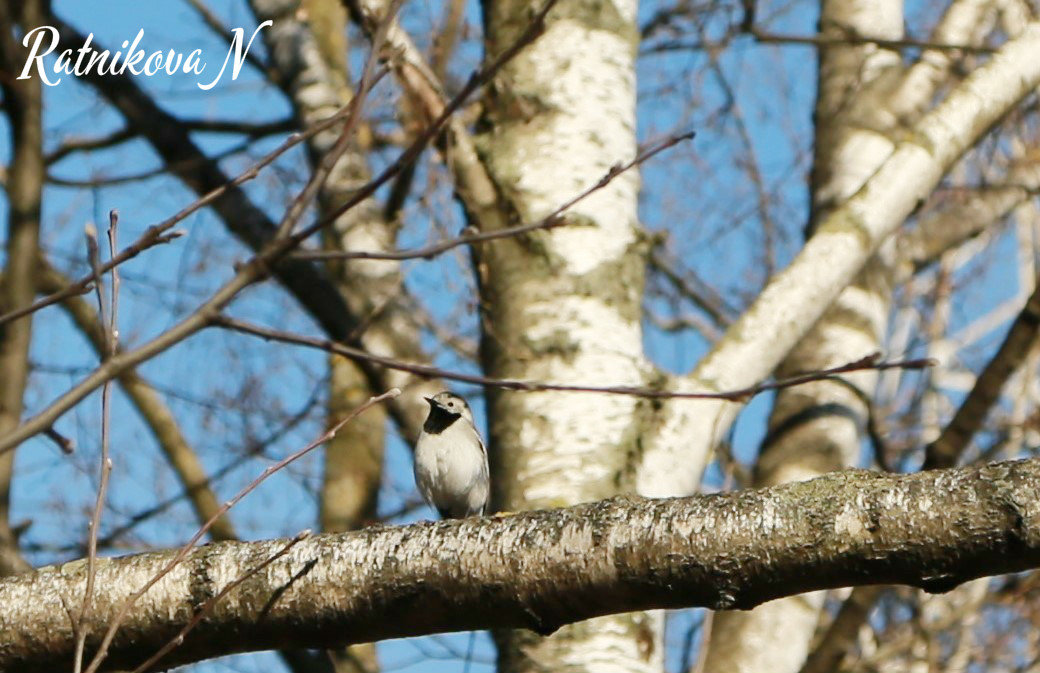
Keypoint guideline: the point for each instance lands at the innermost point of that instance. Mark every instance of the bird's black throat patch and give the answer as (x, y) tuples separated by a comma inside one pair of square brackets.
[(439, 420)]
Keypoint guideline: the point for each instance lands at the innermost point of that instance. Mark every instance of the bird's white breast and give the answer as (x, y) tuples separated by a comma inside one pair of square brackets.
[(449, 466)]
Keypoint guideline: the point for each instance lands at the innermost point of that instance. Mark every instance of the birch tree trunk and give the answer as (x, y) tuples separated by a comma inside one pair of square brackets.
[(565, 305)]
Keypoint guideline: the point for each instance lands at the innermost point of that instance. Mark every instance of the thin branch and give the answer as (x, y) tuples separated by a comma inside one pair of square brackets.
[(693, 288), (157, 234), (111, 333), (369, 77), (66, 445), (152, 237), (553, 219), (474, 186), (432, 250), (767, 37), (479, 78), (943, 452), (88, 144), (872, 362), (251, 129), (222, 530), (257, 268), (156, 415), (113, 325), (163, 169), (214, 23)]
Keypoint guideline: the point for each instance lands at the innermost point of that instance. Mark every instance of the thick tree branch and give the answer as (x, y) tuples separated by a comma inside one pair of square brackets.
[(543, 569), (309, 58), (841, 634)]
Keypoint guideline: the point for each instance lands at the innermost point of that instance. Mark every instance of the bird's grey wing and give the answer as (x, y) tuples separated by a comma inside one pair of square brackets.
[(423, 469), (485, 475)]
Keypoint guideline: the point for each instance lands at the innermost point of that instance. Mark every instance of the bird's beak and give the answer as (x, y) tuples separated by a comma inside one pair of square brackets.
[(430, 401)]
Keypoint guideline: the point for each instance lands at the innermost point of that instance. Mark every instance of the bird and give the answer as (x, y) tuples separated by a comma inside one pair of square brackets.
[(451, 462)]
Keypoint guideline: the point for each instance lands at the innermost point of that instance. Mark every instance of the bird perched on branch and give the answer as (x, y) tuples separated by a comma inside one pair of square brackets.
[(451, 463)]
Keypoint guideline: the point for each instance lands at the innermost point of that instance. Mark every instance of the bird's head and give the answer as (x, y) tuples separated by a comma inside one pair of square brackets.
[(449, 403)]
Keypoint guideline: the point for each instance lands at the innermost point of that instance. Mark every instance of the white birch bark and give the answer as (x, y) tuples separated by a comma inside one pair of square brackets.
[(565, 305)]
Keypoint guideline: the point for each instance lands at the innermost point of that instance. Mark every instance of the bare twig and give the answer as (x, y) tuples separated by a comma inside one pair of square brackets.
[(149, 404), (369, 77), (872, 361), (249, 488), (481, 76), (767, 37), (214, 23), (697, 291), (432, 250), (87, 144), (154, 235), (250, 129), (157, 234), (111, 333), (66, 445), (553, 219), (222, 530), (187, 164), (249, 273)]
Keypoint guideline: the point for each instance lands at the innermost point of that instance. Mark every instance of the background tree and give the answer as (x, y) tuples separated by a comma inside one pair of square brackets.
[(707, 274)]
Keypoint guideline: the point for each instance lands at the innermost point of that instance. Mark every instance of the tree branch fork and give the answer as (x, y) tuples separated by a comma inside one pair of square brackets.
[(542, 569)]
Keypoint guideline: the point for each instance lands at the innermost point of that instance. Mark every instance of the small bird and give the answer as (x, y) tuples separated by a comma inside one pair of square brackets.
[(451, 463)]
